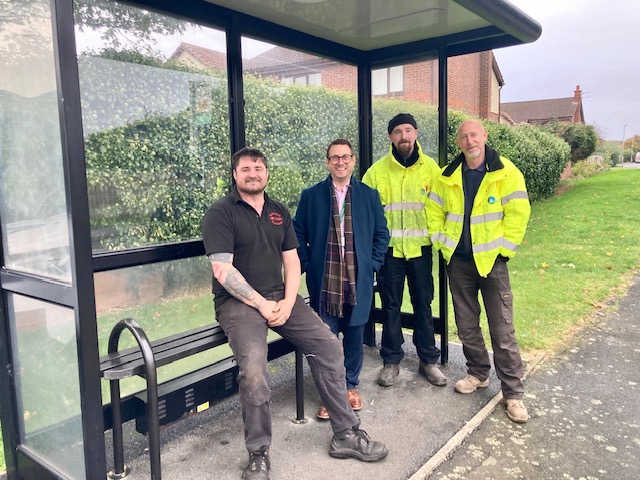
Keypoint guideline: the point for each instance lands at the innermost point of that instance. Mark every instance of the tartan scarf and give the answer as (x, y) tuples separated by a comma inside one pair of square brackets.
[(339, 270)]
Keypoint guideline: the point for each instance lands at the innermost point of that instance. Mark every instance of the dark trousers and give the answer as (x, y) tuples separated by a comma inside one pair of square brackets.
[(418, 272), (247, 333), (352, 343), (465, 283)]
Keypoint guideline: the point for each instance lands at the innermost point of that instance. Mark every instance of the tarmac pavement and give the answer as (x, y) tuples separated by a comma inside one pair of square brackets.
[(584, 405)]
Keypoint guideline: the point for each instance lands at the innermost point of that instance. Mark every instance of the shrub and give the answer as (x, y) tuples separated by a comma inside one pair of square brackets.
[(588, 168)]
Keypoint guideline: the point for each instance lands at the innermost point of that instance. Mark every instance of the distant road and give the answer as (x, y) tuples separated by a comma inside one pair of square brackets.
[(631, 165)]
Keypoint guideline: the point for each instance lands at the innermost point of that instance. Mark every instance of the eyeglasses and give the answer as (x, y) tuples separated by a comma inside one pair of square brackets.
[(335, 159)]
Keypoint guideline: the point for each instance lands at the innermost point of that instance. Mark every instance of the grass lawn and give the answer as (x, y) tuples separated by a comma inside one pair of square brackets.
[(579, 254)]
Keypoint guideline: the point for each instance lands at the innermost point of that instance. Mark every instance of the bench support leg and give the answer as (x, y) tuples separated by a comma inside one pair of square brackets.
[(120, 470), (153, 422), (300, 418)]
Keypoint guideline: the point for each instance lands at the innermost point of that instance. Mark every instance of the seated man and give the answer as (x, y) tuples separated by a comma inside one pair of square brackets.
[(249, 238)]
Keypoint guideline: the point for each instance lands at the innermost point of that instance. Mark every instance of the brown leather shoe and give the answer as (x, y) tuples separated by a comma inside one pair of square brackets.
[(354, 399), (323, 413)]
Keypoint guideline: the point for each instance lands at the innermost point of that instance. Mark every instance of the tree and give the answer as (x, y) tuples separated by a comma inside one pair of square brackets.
[(25, 27), (582, 138)]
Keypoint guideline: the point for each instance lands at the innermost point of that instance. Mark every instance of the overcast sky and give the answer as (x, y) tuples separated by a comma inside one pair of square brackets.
[(591, 43)]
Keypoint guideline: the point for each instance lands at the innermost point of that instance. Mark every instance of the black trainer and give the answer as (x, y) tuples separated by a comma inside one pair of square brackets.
[(358, 445), (258, 468)]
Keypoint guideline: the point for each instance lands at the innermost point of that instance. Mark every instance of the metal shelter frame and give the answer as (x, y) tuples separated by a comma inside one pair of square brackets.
[(503, 25)]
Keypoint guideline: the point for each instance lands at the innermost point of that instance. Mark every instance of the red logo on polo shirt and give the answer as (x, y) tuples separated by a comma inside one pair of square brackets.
[(275, 218)]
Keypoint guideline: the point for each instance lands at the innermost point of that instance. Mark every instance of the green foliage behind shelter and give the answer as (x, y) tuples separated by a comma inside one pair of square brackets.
[(159, 171)]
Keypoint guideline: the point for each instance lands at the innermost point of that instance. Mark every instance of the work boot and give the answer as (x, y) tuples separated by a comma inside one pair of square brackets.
[(355, 400), (258, 468), (516, 410), (432, 373), (357, 444), (388, 374), (470, 384)]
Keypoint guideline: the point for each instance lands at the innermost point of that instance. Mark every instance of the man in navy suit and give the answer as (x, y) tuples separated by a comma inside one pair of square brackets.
[(343, 239)]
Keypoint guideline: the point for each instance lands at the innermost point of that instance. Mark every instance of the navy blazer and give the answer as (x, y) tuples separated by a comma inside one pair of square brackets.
[(370, 237)]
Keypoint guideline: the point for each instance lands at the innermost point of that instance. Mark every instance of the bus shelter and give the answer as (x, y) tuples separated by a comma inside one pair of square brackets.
[(117, 123)]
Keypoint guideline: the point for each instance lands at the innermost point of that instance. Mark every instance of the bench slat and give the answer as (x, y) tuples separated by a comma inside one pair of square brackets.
[(134, 365), (159, 345)]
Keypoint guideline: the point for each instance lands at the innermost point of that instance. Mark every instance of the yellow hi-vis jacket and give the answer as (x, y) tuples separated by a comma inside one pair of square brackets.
[(499, 215), (403, 192)]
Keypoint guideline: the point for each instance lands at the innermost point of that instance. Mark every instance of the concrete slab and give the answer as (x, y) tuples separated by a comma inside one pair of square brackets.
[(413, 418)]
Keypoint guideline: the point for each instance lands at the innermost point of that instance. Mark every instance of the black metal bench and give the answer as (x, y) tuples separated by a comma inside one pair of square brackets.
[(177, 397)]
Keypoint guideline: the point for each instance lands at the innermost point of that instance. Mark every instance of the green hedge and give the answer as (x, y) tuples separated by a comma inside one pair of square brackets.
[(159, 171)]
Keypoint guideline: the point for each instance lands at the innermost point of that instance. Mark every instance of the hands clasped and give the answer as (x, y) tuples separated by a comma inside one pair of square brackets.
[(276, 313)]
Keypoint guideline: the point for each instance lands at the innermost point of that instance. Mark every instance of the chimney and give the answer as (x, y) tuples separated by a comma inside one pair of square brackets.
[(577, 94)]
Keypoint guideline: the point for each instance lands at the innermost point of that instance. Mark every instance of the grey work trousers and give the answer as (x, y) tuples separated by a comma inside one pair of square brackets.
[(247, 330), (465, 282)]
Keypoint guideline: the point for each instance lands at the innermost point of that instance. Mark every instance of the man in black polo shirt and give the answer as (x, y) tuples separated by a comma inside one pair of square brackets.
[(249, 238)]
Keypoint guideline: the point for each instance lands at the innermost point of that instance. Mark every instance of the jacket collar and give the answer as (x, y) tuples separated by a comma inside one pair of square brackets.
[(410, 160), (491, 157), (328, 182)]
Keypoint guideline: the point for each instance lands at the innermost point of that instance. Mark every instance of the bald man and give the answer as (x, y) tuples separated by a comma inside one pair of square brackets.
[(477, 214)]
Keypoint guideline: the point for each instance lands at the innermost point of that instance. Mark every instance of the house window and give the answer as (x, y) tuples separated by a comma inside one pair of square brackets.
[(312, 79), (385, 81)]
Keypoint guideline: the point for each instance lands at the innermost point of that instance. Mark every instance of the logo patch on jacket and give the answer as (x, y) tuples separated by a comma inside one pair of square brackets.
[(276, 218), (491, 200)]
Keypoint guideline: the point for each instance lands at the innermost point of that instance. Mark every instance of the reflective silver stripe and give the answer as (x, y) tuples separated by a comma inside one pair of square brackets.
[(446, 241), (510, 245), (488, 217), (415, 232), (485, 247), (497, 243), (516, 194), (394, 207), (454, 217), (436, 198)]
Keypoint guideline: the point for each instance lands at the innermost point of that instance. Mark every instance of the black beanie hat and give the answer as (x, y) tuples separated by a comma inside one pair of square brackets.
[(400, 119)]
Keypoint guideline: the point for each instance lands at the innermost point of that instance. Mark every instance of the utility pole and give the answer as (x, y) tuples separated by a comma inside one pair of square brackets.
[(622, 156)]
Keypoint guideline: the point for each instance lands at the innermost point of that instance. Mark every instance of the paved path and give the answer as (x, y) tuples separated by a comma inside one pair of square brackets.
[(585, 413)]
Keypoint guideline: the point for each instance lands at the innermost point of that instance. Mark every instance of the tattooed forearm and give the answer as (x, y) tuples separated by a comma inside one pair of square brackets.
[(233, 281), (237, 286)]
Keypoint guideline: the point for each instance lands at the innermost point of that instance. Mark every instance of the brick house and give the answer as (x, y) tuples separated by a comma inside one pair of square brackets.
[(474, 80), (539, 112), (199, 57)]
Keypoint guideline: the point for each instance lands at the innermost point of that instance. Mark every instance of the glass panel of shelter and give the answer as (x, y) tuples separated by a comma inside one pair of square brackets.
[(33, 208), (295, 105), (45, 363), (156, 126), (407, 88), (156, 131), (35, 240)]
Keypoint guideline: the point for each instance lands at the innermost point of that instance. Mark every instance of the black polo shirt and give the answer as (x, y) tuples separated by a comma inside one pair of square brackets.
[(233, 226)]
